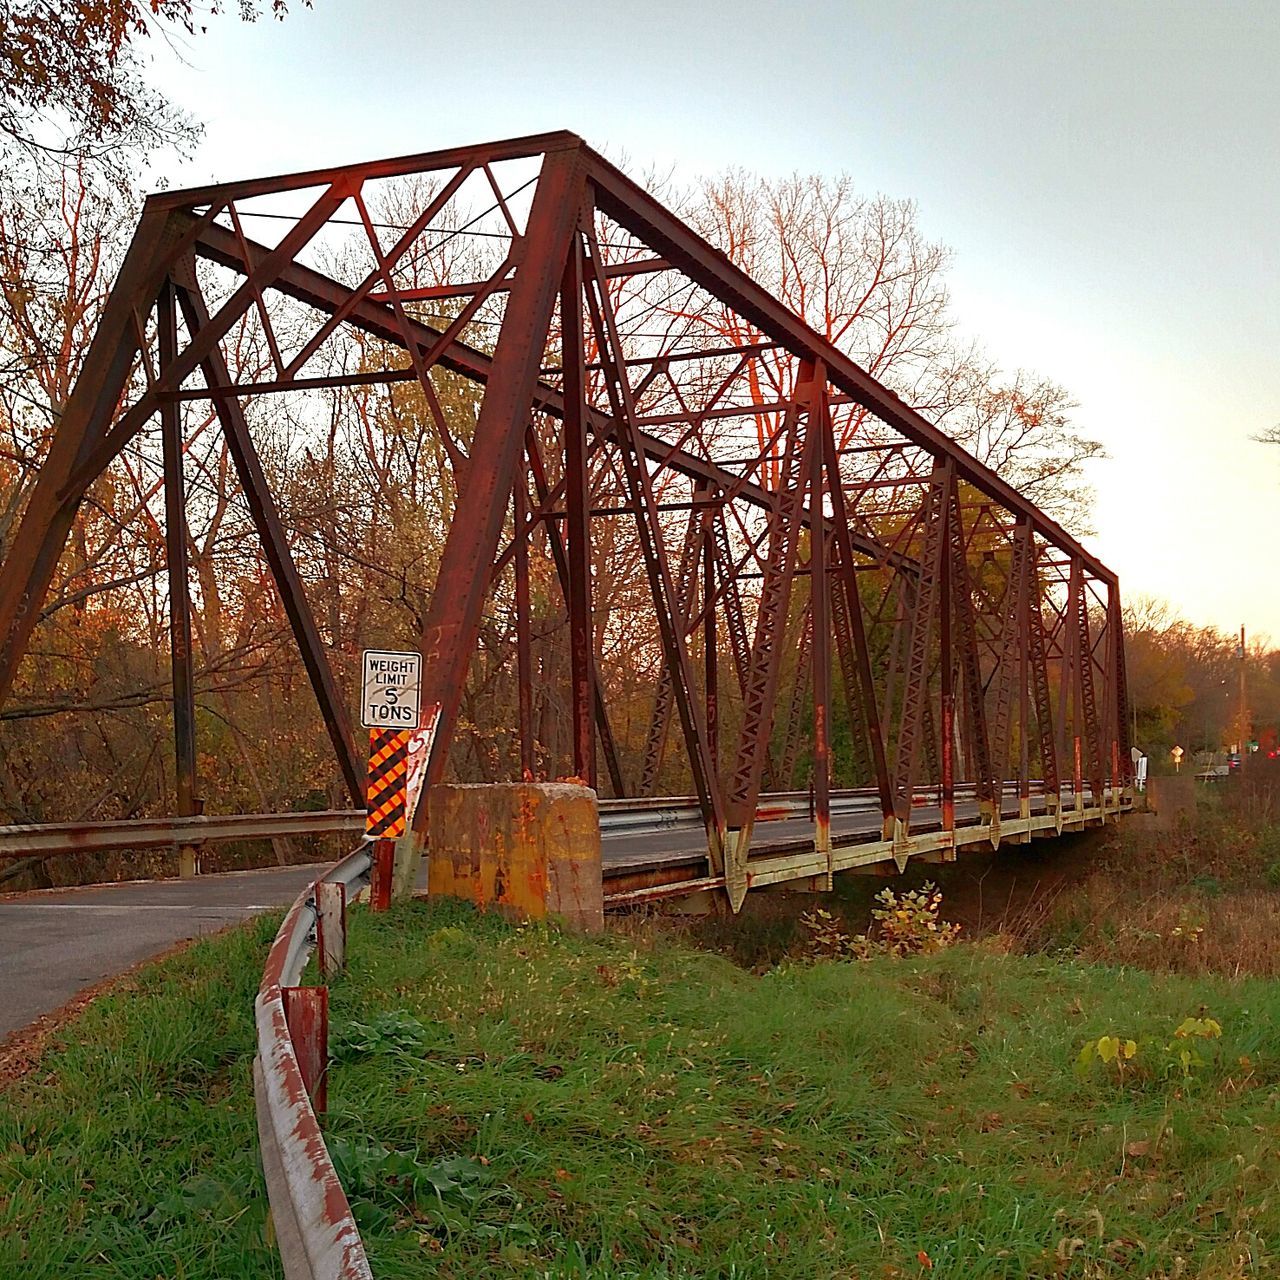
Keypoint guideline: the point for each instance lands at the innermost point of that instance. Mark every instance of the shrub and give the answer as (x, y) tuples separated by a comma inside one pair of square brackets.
[(906, 924), (1123, 1058)]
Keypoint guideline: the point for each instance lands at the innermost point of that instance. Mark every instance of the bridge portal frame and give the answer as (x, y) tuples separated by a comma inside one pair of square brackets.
[(1057, 607)]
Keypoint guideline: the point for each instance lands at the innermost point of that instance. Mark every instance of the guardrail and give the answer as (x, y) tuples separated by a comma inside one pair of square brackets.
[(315, 1232), (50, 839), (617, 817), (625, 817), (47, 840)]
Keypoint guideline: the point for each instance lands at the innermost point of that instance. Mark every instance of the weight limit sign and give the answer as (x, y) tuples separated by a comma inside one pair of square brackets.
[(390, 689)]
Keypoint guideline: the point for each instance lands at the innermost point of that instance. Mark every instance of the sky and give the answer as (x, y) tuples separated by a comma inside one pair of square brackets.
[(1106, 174)]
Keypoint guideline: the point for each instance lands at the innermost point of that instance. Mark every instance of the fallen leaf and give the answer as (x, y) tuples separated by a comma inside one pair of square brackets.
[(1067, 1247)]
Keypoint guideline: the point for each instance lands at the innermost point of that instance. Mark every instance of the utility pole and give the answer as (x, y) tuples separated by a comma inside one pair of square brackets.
[(1243, 747)]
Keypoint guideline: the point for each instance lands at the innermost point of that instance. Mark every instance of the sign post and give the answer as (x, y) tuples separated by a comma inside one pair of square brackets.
[(1177, 753), (390, 702)]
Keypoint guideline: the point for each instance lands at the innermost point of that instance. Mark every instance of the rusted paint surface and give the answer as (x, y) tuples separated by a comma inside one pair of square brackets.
[(331, 927), (311, 1194), (316, 1233), (306, 1013), (603, 409), (528, 850), (22, 841), (384, 856)]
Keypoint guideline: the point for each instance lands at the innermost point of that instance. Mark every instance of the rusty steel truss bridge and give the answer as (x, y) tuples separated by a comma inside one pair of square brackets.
[(865, 645)]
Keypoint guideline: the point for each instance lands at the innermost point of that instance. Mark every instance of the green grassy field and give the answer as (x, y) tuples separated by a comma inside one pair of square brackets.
[(131, 1150), (515, 1102)]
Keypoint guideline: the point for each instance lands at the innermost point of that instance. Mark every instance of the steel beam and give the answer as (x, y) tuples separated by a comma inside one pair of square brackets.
[(317, 290), (175, 533), (33, 555), (634, 209), (582, 667), (453, 617)]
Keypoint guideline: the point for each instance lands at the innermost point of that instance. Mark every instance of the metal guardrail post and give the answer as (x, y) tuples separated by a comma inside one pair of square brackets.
[(306, 1013), (331, 927), (384, 857)]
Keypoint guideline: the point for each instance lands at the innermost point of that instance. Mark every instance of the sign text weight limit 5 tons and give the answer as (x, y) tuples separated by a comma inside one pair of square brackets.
[(390, 689)]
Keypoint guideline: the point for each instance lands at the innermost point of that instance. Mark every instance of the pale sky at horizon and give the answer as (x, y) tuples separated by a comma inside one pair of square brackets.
[(1106, 175)]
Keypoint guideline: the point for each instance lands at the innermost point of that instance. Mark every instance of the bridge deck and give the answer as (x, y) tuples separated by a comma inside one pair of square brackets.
[(640, 865)]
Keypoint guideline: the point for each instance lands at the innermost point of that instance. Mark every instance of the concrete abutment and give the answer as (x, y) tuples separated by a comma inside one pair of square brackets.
[(529, 850)]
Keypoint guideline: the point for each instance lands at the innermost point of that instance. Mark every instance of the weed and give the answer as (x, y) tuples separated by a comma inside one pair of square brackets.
[(391, 1032), (1125, 1059), (1210, 886), (1200, 898), (905, 924), (1111, 1051), (826, 938), (908, 924)]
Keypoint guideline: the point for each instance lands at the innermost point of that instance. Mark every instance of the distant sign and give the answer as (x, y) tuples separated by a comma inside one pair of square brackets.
[(1176, 753), (391, 689)]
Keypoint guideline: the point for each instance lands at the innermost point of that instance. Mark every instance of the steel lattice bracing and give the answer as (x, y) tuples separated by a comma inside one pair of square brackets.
[(816, 555)]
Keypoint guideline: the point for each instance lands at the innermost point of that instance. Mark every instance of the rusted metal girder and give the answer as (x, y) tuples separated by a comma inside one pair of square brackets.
[(632, 207), (604, 730), (962, 607), (275, 546), (32, 556), (799, 695), (453, 617), (660, 722), (582, 665), (820, 619), (317, 290), (671, 621), (935, 515), (771, 618), (175, 510)]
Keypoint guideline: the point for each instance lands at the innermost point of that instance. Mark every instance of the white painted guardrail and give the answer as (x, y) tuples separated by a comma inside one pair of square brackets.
[(315, 1232)]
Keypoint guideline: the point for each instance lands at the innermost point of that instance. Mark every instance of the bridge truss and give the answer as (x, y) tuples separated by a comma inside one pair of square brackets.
[(811, 551)]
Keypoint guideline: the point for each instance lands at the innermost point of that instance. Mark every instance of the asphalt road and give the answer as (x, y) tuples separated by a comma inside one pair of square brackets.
[(55, 943)]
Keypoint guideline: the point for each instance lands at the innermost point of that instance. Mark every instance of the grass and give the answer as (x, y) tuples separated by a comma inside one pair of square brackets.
[(613, 1109), (515, 1102), (1202, 897), (131, 1150)]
